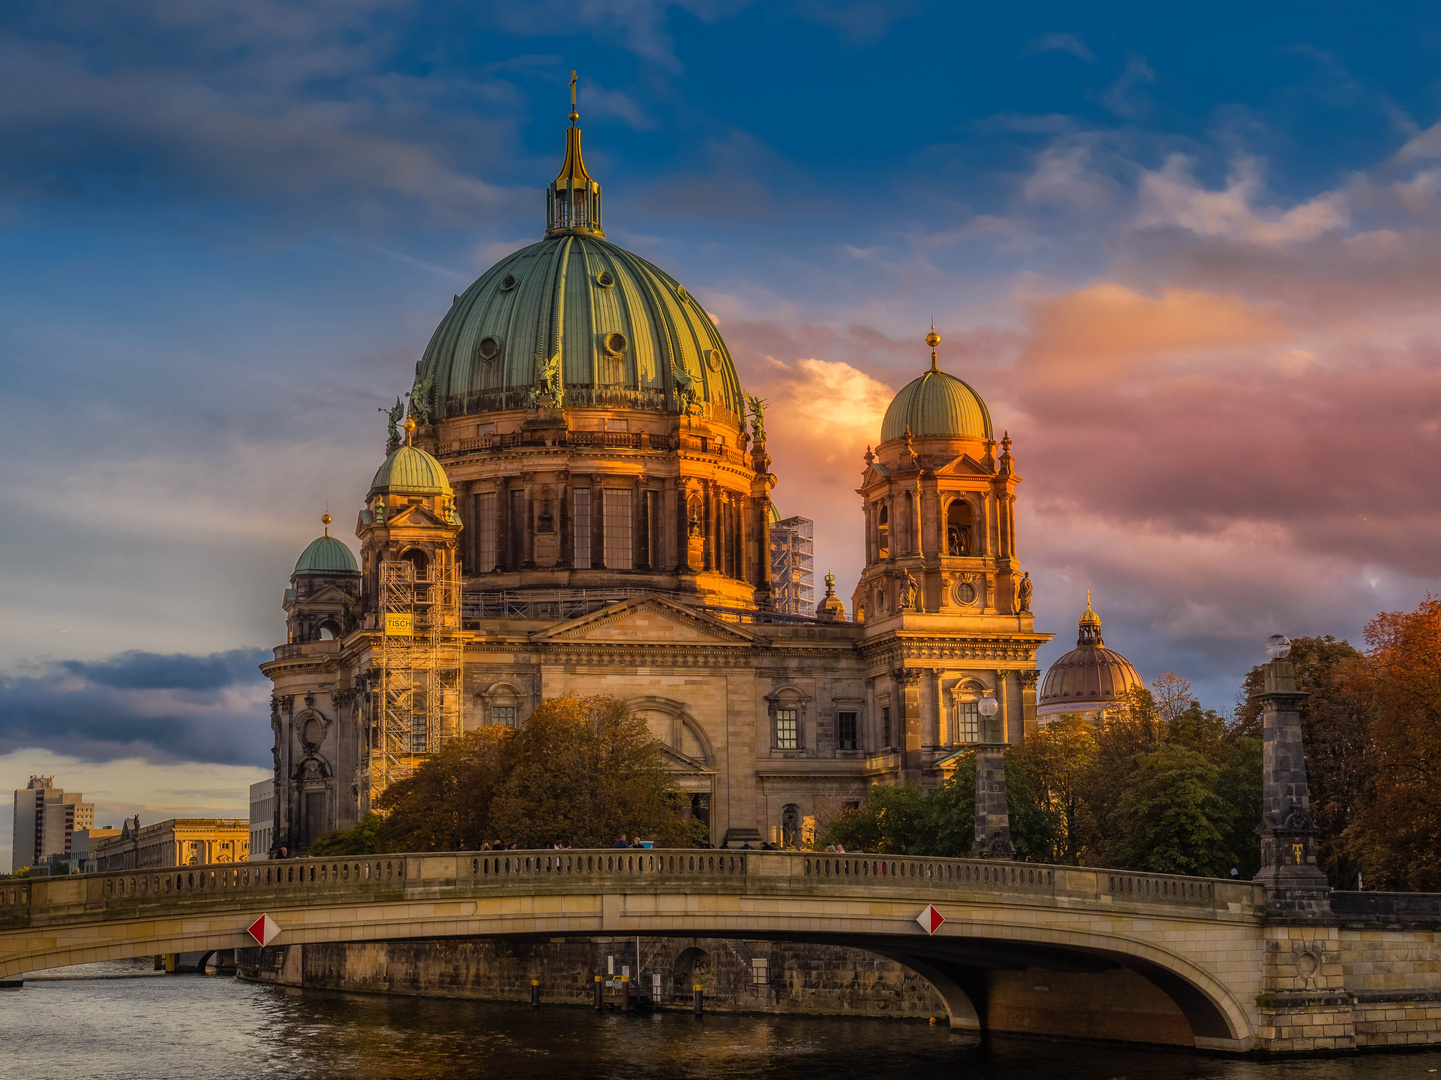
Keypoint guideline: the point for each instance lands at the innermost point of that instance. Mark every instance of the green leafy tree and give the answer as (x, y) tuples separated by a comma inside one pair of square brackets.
[(1239, 786), (890, 822), (445, 804), (360, 839), (1171, 819), (1057, 762)]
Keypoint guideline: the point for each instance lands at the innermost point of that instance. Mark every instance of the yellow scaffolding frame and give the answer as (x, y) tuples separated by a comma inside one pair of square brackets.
[(416, 707)]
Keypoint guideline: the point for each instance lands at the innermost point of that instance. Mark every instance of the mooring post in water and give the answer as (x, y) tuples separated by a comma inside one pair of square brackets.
[(597, 994), (625, 993), (699, 999), (535, 991)]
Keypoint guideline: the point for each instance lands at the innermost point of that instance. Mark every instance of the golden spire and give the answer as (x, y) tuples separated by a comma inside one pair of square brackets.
[(933, 339), (573, 199), (1089, 616), (326, 519), (409, 429)]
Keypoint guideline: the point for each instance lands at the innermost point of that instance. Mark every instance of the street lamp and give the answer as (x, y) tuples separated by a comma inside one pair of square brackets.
[(988, 706), (1278, 646)]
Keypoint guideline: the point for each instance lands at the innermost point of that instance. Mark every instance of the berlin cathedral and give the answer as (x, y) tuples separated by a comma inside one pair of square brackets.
[(578, 501)]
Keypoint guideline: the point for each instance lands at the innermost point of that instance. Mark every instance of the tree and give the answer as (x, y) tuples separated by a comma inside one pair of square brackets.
[(359, 839), (584, 770), (1172, 819), (890, 822), (580, 772), (1239, 786), (1397, 834), (1057, 762), (1335, 717), (445, 804), (1127, 732)]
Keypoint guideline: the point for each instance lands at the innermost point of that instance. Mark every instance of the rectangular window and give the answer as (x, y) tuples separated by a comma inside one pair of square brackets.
[(617, 425), (484, 519), (787, 730), (503, 715), (581, 524), (968, 721), (517, 529), (619, 546), (846, 731), (886, 725), (652, 531), (760, 971)]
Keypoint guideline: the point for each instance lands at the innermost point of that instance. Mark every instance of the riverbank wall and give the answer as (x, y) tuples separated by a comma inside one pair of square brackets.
[(738, 976)]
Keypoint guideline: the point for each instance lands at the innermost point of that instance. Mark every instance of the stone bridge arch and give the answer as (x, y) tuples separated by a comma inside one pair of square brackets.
[(1199, 942)]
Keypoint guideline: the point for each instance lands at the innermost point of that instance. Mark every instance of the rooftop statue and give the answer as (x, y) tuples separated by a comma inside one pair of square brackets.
[(421, 406), (393, 417), (757, 407)]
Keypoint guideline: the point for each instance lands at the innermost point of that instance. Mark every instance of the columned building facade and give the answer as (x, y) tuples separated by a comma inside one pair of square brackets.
[(580, 503)]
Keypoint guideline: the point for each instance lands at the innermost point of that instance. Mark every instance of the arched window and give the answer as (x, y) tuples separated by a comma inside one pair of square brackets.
[(790, 825), (419, 563), (958, 528), (328, 631), (883, 533)]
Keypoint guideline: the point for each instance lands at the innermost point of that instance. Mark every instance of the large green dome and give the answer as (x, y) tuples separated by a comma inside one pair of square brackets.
[(409, 470), (327, 555), (620, 325), (937, 404)]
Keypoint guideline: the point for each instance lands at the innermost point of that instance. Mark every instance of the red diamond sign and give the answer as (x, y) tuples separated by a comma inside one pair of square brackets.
[(264, 930), (930, 919)]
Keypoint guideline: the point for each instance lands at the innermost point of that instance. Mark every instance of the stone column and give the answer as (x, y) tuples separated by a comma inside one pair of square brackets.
[(1294, 883), (993, 820), (935, 721)]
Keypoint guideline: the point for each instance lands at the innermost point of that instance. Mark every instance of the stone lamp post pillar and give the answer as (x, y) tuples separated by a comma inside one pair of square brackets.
[(993, 822), (1293, 881)]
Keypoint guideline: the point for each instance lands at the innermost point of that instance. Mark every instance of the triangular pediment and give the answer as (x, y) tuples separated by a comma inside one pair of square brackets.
[(874, 472), (647, 620), (414, 517), (328, 594), (678, 762), (965, 465)]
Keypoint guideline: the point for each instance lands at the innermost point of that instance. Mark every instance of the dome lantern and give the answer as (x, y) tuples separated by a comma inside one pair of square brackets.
[(572, 203)]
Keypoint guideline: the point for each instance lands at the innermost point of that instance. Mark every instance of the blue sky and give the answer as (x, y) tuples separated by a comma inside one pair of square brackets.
[(1189, 256)]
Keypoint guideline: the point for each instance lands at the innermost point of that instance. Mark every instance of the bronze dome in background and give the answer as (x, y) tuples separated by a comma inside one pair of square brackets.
[(1089, 679)]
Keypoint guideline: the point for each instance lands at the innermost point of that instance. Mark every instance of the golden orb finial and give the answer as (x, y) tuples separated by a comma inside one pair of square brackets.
[(410, 426), (933, 339), (326, 519), (574, 116)]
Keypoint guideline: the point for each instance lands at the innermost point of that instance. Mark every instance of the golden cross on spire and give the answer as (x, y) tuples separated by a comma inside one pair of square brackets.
[(574, 116)]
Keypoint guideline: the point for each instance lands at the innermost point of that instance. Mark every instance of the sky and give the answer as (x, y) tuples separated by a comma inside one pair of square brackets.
[(1189, 257)]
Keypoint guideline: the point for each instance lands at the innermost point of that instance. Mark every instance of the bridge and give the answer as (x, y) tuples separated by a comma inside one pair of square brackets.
[(1154, 958)]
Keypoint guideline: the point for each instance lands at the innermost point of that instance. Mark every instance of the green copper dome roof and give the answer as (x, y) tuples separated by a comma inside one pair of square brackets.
[(410, 471), (937, 404), (621, 326), (327, 555)]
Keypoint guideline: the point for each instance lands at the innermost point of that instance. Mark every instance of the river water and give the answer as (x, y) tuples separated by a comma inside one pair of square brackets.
[(119, 1022)]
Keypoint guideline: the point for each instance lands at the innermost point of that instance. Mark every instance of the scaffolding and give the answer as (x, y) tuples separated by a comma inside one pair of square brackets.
[(418, 689), (793, 576)]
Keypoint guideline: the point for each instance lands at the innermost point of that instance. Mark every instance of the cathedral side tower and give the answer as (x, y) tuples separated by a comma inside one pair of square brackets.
[(942, 581)]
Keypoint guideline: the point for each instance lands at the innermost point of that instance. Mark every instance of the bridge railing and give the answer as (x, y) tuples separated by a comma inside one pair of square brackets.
[(303, 882)]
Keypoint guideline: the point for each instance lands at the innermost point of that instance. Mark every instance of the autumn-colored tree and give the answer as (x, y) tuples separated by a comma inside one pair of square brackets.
[(1397, 835), (445, 804), (582, 771), (1335, 717)]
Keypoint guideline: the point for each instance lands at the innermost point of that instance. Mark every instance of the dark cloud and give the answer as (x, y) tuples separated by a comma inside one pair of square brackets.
[(158, 708), (153, 671)]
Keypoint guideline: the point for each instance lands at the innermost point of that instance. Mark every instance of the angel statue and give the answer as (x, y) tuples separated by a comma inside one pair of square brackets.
[(684, 386), (757, 407), (911, 594), (393, 417), (420, 403), (547, 382)]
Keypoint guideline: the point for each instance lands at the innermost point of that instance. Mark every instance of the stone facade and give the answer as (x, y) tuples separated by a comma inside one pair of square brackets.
[(747, 976), (175, 842)]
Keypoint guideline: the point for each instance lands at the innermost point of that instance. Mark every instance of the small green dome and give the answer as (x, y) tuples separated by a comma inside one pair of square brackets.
[(327, 555), (410, 471), (937, 404)]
